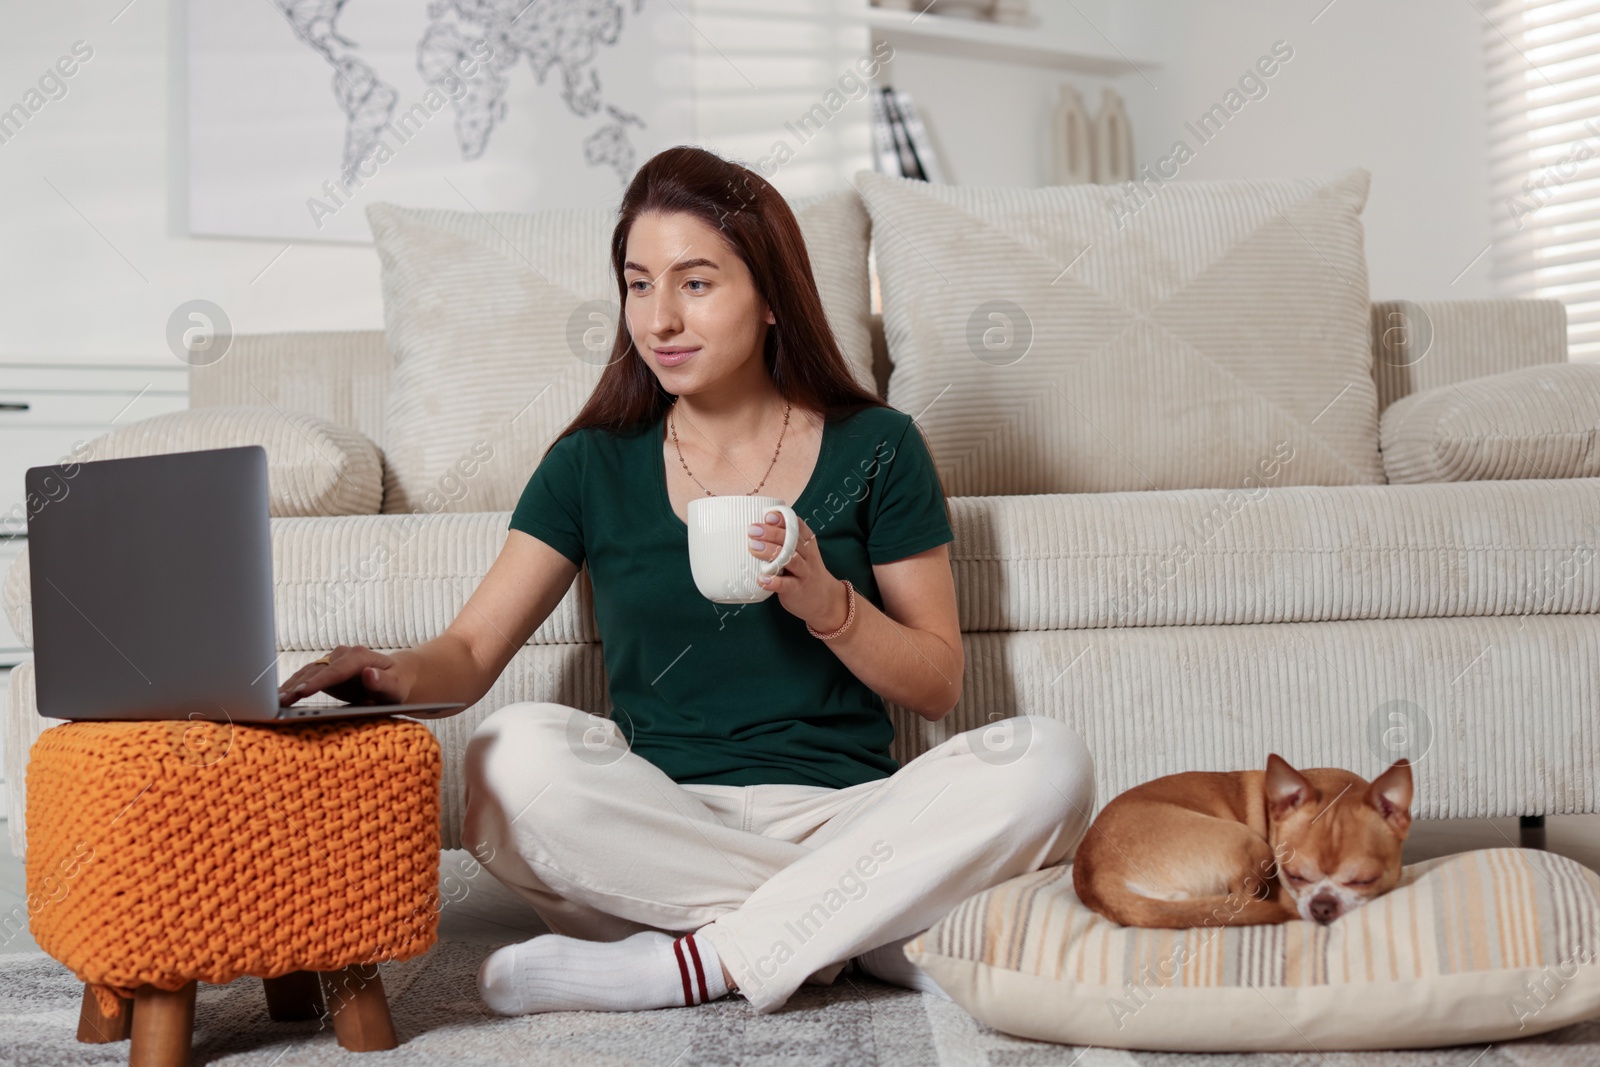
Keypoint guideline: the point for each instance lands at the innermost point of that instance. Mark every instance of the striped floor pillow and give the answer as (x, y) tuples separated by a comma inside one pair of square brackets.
[(1489, 945)]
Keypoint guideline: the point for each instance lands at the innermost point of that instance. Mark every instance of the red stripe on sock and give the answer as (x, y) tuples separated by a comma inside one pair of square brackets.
[(683, 971), (699, 968)]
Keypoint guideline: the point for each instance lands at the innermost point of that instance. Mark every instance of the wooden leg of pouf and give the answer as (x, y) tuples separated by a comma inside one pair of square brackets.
[(163, 1026), (1532, 831), (93, 1026), (360, 1009), (294, 996)]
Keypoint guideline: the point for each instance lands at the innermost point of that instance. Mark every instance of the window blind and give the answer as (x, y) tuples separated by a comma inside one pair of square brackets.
[(1543, 61)]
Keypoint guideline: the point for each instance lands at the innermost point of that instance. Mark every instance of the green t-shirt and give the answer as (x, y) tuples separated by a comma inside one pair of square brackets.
[(736, 694)]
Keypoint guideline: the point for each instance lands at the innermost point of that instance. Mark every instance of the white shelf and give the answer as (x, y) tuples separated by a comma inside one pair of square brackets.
[(981, 39)]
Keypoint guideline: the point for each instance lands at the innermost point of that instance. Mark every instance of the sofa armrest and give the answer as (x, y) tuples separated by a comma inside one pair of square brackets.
[(342, 376), (1422, 345), (314, 467), (1537, 422)]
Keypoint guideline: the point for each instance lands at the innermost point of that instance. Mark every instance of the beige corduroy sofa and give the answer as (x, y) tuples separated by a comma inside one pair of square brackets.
[(1209, 500), (1301, 620)]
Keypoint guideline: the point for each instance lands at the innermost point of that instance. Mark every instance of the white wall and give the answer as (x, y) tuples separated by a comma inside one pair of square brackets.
[(94, 257), (93, 252), (1397, 88)]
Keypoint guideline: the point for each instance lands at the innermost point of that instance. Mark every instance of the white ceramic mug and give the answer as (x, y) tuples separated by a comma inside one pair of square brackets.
[(719, 546)]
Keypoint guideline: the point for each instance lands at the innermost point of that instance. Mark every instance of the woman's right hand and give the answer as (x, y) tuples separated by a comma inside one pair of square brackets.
[(354, 674)]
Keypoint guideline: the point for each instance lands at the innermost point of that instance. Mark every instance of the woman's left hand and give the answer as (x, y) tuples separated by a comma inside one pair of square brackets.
[(804, 586)]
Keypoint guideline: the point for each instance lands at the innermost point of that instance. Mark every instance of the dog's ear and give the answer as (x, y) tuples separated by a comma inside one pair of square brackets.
[(1286, 788), (1390, 794)]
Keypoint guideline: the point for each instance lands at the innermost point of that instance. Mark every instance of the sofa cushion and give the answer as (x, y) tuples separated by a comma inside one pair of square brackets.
[(314, 467), (1037, 563), (1292, 554), (501, 325), (1074, 339), (1422, 344), (1481, 946), (1537, 422)]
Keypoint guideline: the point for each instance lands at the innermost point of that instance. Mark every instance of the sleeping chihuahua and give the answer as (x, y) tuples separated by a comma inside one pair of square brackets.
[(1237, 848)]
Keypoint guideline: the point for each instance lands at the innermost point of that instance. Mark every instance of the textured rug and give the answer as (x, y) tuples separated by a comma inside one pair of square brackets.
[(857, 1021)]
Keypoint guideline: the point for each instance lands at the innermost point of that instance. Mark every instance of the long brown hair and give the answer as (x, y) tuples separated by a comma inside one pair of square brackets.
[(801, 352)]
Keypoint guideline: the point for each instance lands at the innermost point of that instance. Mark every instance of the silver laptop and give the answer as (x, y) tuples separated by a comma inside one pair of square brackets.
[(152, 592)]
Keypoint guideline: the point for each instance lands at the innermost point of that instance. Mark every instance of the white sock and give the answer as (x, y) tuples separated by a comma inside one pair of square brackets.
[(649, 969), (889, 963)]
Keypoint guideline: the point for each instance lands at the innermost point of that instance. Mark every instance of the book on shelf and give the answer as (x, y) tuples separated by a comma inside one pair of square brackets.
[(885, 154), (900, 144), (902, 140), (921, 147)]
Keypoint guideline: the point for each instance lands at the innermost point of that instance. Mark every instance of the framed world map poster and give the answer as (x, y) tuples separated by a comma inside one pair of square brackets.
[(300, 112)]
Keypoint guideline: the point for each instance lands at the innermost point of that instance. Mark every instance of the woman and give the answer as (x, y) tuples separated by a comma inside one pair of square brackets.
[(737, 823)]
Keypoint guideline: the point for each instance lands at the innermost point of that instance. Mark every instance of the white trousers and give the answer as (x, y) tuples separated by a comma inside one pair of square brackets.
[(787, 882)]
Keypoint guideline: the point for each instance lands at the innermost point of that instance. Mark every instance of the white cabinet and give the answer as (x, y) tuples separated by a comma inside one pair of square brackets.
[(5, 706), (12, 651), (49, 409)]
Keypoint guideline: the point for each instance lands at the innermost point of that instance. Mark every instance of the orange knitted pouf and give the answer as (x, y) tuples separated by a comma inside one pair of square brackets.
[(165, 852)]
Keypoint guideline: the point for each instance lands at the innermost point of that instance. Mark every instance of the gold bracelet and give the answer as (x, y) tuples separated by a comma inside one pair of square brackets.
[(850, 614)]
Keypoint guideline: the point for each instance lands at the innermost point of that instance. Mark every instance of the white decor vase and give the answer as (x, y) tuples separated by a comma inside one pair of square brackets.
[(1072, 147), (1113, 149)]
